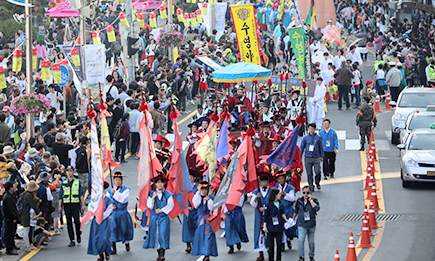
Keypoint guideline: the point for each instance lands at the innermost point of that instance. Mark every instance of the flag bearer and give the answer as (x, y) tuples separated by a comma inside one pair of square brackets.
[(235, 226), (188, 231)]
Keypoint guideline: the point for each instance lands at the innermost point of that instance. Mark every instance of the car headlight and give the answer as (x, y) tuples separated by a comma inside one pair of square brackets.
[(408, 161), (398, 118)]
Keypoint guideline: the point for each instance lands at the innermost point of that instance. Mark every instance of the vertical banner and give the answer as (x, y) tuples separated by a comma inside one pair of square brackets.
[(111, 33), (2, 78), (17, 60), (95, 64), (297, 39), (77, 67), (308, 62), (45, 70), (75, 56), (175, 53), (57, 77), (96, 38), (244, 21), (34, 58)]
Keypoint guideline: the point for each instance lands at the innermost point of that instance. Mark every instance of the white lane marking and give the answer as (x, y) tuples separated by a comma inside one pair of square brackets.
[(341, 134), (388, 134), (352, 144)]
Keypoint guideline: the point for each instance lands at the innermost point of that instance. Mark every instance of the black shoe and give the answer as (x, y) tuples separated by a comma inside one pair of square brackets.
[(231, 251), (331, 175), (13, 253), (312, 189), (289, 245), (301, 259), (79, 239), (18, 237), (312, 258), (362, 148), (340, 109), (239, 246), (72, 243), (348, 109), (325, 177), (16, 248), (127, 247), (114, 248), (318, 186)]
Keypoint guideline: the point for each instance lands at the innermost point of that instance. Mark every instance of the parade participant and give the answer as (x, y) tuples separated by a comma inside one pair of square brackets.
[(330, 147), (203, 243), (393, 79), (259, 201), (286, 122), (277, 128), (208, 106), (235, 226), (328, 75), (263, 142), (312, 143), (294, 106), (122, 224), (317, 103), (163, 154), (161, 203), (241, 95), (287, 197), (266, 114), (204, 125), (100, 234), (275, 142), (192, 138), (199, 113), (275, 103), (364, 118), (324, 63), (234, 144), (430, 72), (188, 230), (368, 91), (273, 224), (306, 210), (71, 195)]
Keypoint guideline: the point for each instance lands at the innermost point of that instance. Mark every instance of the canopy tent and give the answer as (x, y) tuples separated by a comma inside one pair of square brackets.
[(62, 10), (238, 72), (146, 5)]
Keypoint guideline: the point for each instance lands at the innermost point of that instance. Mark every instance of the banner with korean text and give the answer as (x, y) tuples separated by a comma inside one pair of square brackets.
[(244, 21), (297, 39), (95, 64)]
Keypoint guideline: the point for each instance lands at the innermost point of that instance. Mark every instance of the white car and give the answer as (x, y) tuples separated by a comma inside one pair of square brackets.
[(417, 162), (410, 99), (416, 120)]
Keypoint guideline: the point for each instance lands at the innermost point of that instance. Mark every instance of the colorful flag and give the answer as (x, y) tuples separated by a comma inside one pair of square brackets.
[(297, 39), (96, 204), (179, 181), (105, 143), (148, 163), (206, 150), (311, 16), (283, 155)]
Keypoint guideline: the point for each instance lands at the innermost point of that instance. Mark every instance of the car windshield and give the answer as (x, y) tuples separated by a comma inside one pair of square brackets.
[(417, 100), (422, 142), (419, 122)]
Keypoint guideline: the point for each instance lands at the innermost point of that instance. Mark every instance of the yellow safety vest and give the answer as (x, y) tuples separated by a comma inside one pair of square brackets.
[(71, 194), (377, 62), (431, 73)]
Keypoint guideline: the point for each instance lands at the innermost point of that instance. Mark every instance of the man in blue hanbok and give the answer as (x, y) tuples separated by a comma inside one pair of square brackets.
[(259, 201), (161, 203), (188, 231), (287, 198), (100, 235), (204, 242), (122, 224), (235, 226)]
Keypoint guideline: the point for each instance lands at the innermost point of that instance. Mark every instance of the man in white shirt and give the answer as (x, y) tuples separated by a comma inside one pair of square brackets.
[(339, 59), (324, 63), (110, 88), (326, 27), (55, 97), (314, 47), (354, 55)]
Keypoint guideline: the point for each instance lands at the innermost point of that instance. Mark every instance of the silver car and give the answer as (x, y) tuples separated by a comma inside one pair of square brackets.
[(417, 162), (416, 120), (410, 99)]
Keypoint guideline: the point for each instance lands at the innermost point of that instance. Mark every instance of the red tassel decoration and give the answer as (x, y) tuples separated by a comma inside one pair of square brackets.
[(281, 77), (269, 82), (214, 117), (225, 115), (250, 132), (102, 107), (203, 86), (227, 85), (286, 76), (91, 114), (144, 107), (174, 115), (300, 120), (304, 84), (255, 82)]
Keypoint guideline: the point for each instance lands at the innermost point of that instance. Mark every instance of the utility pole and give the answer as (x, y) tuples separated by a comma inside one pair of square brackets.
[(212, 17), (170, 28), (29, 59), (84, 89), (128, 33)]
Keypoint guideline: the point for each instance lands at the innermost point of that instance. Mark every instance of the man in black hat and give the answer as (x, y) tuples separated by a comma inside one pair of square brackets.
[(11, 217)]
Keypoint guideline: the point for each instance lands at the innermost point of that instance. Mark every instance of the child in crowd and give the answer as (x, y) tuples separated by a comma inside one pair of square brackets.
[(33, 221), (40, 234)]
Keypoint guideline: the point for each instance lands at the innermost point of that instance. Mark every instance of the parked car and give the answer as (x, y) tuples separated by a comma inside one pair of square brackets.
[(418, 119)]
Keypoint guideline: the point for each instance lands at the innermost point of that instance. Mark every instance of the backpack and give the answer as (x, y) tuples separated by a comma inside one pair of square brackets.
[(117, 46), (20, 205), (119, 129)]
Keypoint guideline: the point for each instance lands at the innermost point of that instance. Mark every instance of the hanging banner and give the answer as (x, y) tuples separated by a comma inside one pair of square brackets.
[(95, 64), (2, 78), (45, 70), (96, 39), (186, 20), (57, 77), (175, 53), (141, 18), (199, 16), (78, 69), (153, 21), (163, 13), (297, 39), (123, 20), (193, 20), (179, 14), (34, 58), (244, 21), (75, 56), (204, 8), (110, 34), (17, 60)]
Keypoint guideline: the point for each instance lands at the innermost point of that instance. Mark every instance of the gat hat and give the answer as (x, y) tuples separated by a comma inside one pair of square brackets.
[(59, 136), (163, 139), (366, 99), (163, 175), (44, 176), (277, 118), (6, 108), (195, 123), (296, 91), (369, 82), (118, 174), (32, 153), (199, 106), (233, 140), (105, 185), (70, 168), (7, 150), (204, 184), (263, 173), (203, 119), (277, 138), (282, 109), (392, 63), (32, 186), (265, 124)]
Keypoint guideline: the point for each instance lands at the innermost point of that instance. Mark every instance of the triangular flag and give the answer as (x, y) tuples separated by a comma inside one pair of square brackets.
[(46, 9), (122, 8), (36, 8)]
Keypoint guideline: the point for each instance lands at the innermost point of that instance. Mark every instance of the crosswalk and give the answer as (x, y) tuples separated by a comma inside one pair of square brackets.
[(171, 139)]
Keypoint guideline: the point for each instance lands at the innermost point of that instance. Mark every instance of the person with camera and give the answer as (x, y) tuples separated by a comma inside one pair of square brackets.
[(305, 216), (71, 195)]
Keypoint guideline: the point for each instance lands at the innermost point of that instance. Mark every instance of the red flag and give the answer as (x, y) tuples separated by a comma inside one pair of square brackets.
[(251, 183)]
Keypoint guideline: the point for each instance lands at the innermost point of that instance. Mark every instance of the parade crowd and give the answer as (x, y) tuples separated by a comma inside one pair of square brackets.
[(45, 175)]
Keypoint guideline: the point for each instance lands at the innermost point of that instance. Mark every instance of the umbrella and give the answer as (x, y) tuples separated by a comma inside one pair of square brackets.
[(62, 10), (146, 5), (238, 72)]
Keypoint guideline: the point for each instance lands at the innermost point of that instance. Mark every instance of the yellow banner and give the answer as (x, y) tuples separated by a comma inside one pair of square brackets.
[(45, 74), (244, 21), (175, 53)]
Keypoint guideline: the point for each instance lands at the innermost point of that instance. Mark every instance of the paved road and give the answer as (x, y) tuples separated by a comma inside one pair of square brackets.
[(410, 237)]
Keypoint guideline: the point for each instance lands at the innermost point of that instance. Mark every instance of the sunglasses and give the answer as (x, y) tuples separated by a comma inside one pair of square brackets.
[(306, 192)]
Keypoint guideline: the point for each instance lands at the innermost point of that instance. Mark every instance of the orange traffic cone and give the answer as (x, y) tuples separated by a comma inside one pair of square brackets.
[(372, 216), (351, 254), (367, 180), (372, 153), (366, 217), (365, 235), (335, 96), (374, 198), (387, 102), (371, 164), (370, 190), (328, 95), (377, 104), (336, 257)]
